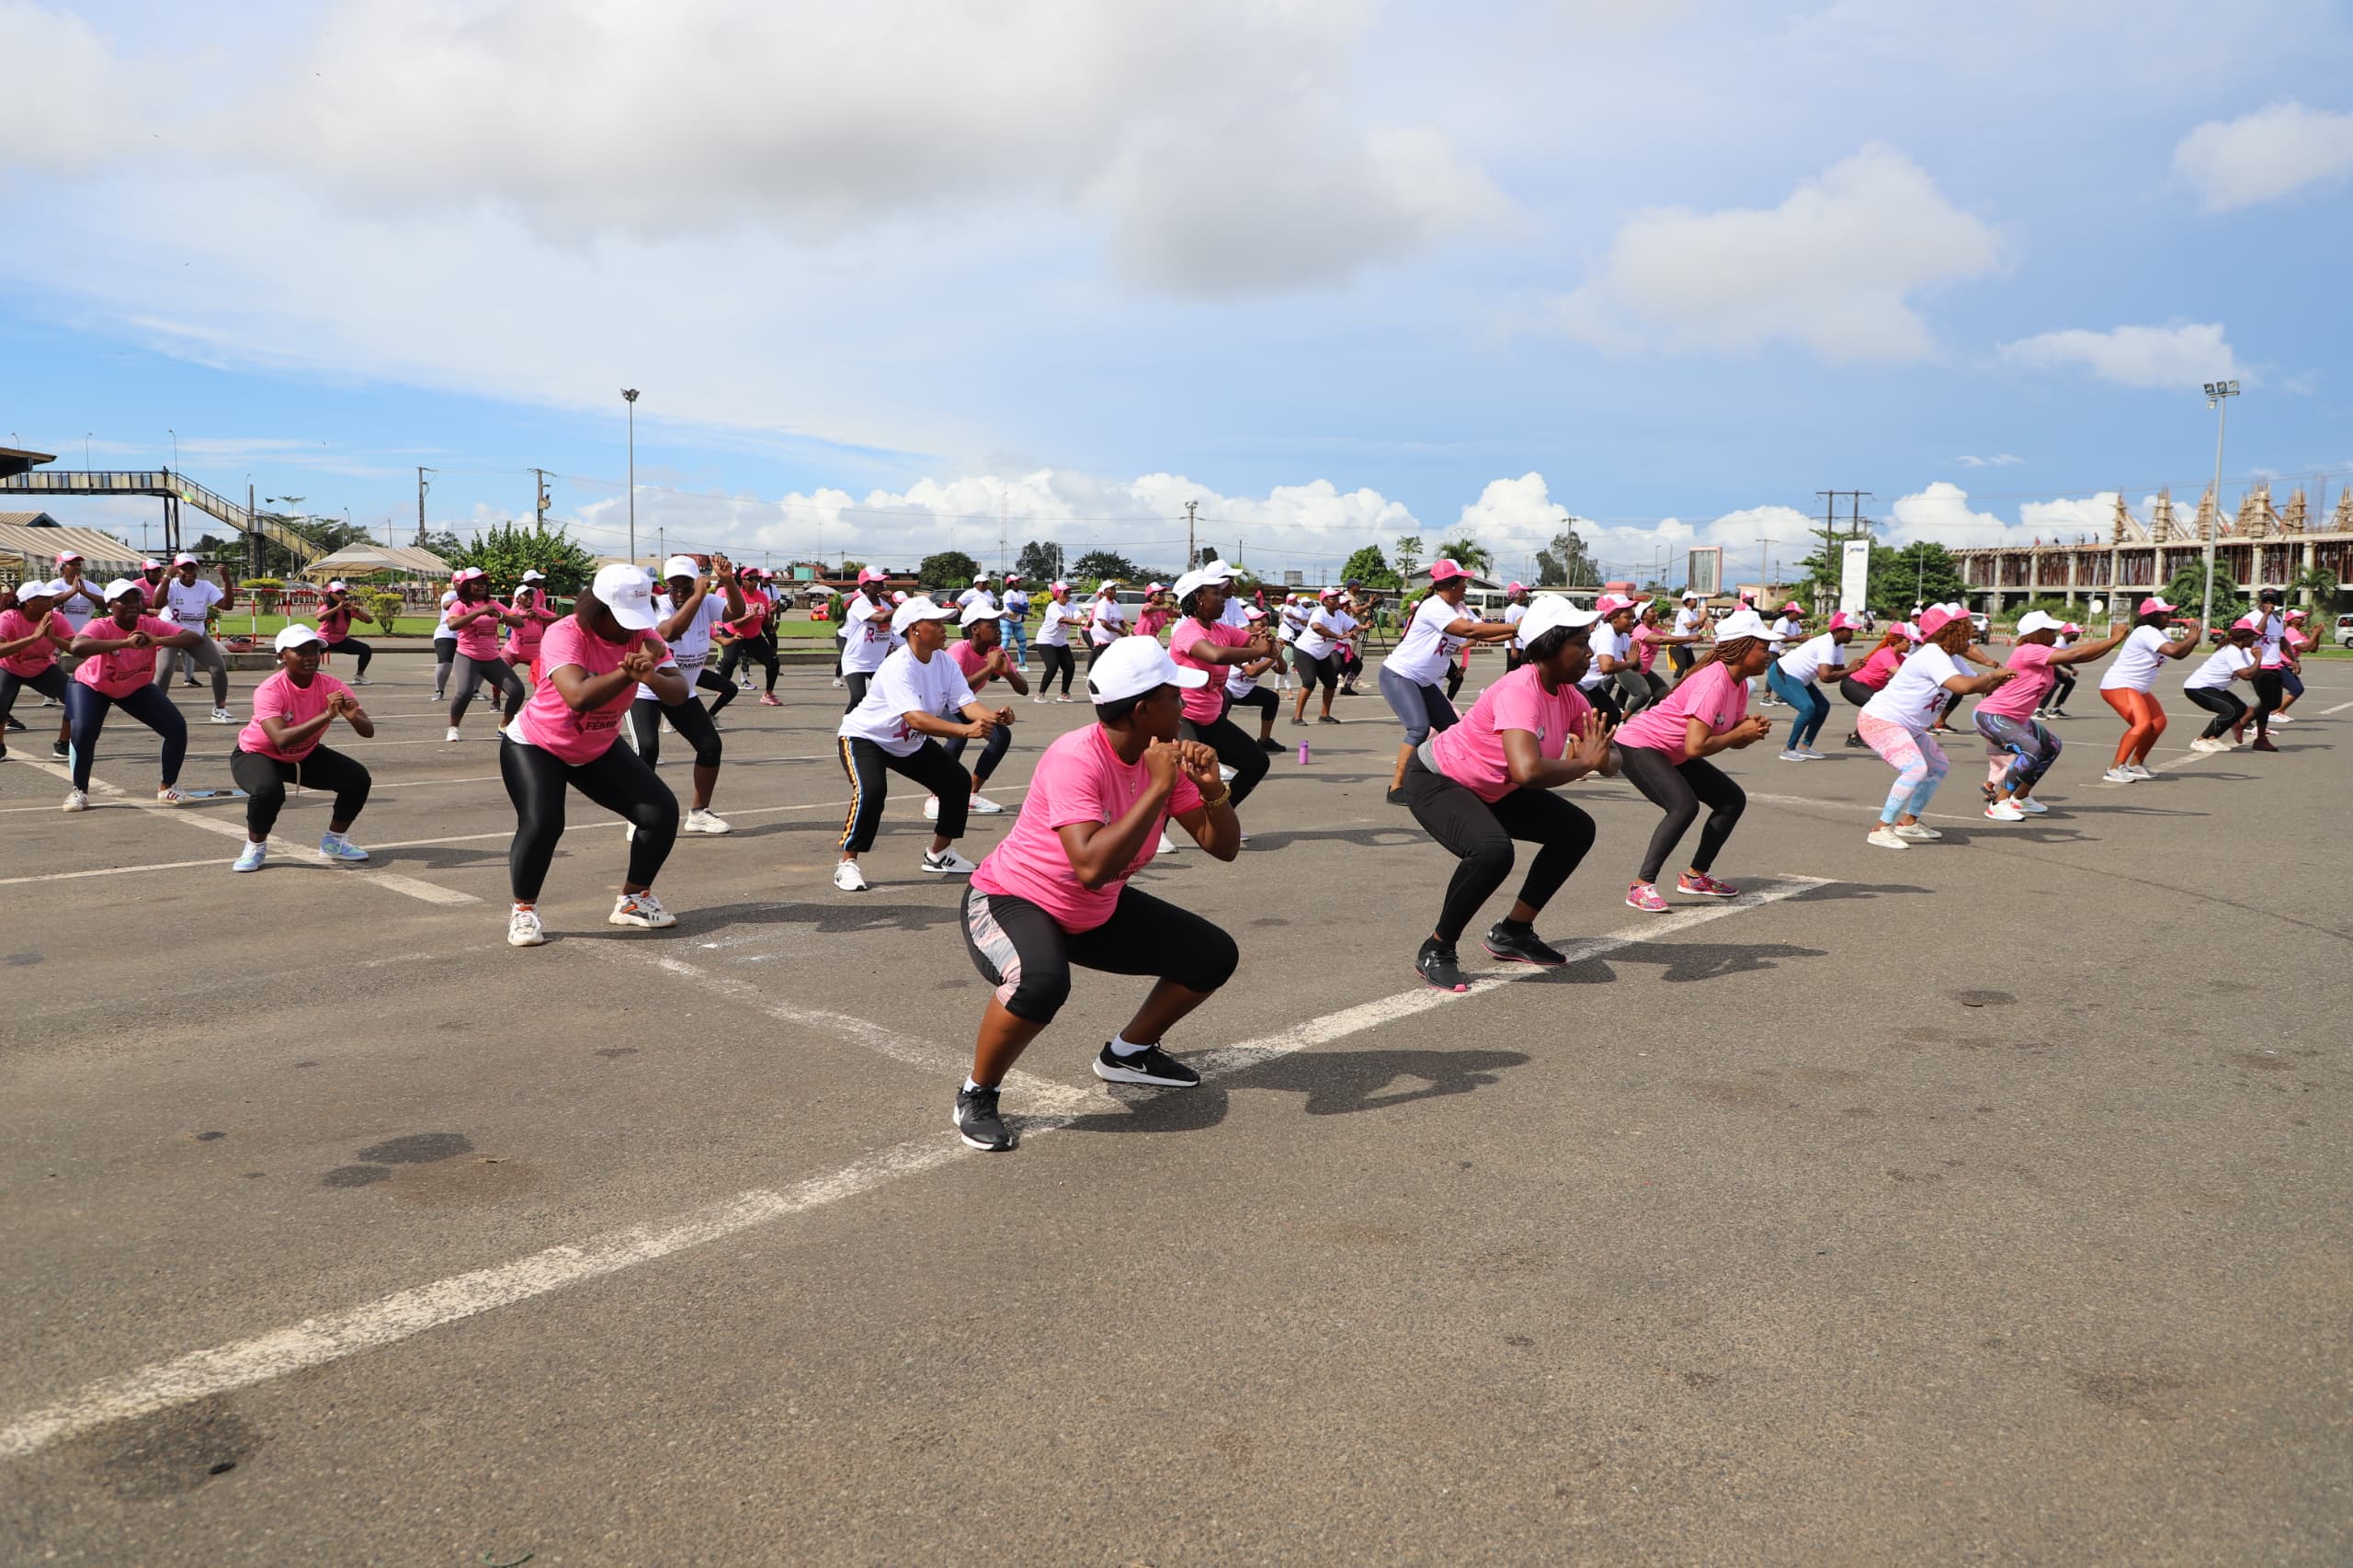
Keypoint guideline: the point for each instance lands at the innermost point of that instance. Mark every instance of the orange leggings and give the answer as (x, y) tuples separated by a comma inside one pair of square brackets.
[(2144, 722)]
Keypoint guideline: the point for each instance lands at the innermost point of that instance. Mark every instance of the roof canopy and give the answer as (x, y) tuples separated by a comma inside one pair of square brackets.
[(358, 558), (103, 555)]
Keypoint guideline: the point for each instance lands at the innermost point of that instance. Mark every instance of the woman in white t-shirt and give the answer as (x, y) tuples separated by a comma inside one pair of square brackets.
[(2126, 687), (1895, 723), (444, 646), (1316, 652), (1107, 621), (1054, 623), (2209, 684), (1411, 675), (891, 729)]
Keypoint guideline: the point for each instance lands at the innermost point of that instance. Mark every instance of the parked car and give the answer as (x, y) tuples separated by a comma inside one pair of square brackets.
[(2345, 630)]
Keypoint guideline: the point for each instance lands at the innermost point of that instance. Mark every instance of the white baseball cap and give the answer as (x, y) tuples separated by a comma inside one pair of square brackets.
[(981, 578), (120, 586), (184, 559), (1742, 622), (294, 636), (1546, 611), (974, 613), (39, 588), (339, 586), (628, 591), (2036, 621), (920, 608), (1133, 666), (681, 567), (1215, 571), (532, 577)]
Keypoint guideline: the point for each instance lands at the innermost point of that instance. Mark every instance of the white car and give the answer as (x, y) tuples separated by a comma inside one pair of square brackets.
[(2345, 630)]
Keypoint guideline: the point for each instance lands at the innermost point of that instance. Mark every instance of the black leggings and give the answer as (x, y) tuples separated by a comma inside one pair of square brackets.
[(1479, 835), (1000, 741), (857, 680), (2060, 692), (688, 717), (760, 651), (870, 768), (1603, 696), (2220, 701), (51, 683), (86, 710), (357, 649), (468, 673), (1027, 955), (1053, 656), (1640, 689), (2268, 690), (620, 780), (1455, 670), (1854, 691), (263, 780), (1258, 697), (1316, 669), (445, 650), (1233, 747), (1678, 790)]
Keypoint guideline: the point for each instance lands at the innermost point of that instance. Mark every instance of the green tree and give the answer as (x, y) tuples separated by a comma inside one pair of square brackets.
[(511, 549), (1098, 564), (1919, 574), (2322, 584), (1371, 567), (1566, 561), (1469, 554), (947, 569), (443, 543), (1409, 555), (1040, 562), (2187, 589)]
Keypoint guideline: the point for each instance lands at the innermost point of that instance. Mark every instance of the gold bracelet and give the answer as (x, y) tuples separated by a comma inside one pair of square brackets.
[(1223, 796)]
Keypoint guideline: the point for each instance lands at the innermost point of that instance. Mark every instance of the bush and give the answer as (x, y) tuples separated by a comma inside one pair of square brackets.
[(265, 591), (387, 609)]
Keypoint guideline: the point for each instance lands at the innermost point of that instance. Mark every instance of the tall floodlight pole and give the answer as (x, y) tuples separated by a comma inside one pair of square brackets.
[(2218, 394), (629, 395)]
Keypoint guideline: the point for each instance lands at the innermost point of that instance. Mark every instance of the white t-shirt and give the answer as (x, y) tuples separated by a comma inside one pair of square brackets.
[(691, 646), (904, 686), (1016, 606), (1110, 620), (2274, 630), (1421, 655), (1604, 640), (80, 605), (1787, 627), (1688, 622), (1235, 613), (448, 602), (191, 603), (1916, 694), (1324, 627), (1295, 618), (1053, 623), (1804, 662), (2136, 663), (965, 600), (2221, 666), (1513, 614), (868, 643)]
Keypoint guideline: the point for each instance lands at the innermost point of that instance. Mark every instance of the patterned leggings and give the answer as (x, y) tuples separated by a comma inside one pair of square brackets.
[(2019, 752), (1920, 765)]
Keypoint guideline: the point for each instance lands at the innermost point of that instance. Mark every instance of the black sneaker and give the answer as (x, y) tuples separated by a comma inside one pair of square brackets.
[(1436, 964), (1857, 743), (1150, 1066), (1272, 744), (1396, 797), (59, 751), (1520, 944), (14, 724), (978, 1122), (1325, 718)]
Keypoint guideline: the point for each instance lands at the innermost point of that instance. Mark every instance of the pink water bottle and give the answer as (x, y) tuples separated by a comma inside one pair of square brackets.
[(1303, 754)]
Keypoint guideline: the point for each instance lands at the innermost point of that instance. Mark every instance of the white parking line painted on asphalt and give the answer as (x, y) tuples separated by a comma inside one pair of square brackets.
[(404, 1315), (2338, 709)]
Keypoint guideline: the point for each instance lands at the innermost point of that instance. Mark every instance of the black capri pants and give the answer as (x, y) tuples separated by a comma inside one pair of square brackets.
[(870, 768), (1233, 747), (51, 683), (1679, 789), (760, 651), (357, 649), (1052, 655), (1603, 696), (468, 673), (1854, 691), (2060, 692), (2220, 701), (1000, 741), (688, 717), (1258, 697), (1027, 955), (1316, 669), (1479, 835), (2270, 689), (621, 781), (263, 780)]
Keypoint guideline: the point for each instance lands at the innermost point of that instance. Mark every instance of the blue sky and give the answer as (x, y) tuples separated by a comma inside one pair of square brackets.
[(1337, 270)]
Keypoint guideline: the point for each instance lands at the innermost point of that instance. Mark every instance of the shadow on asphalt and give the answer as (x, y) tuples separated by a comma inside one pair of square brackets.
[(1363, 837), (1830, 891), (1337, 1083), (1682, 961), (852, 913)]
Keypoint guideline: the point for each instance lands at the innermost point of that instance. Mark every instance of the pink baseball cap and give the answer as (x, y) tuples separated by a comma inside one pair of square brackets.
[(2245, 623), (466, 574), (1937, 619), (1252, 612), (1842, 621), (1156, 587), (1911, 632), (868, 574), (1443, 570), (1516, 588), (151, 564), (1610, 604), (2295, 615), (2153, 605), (1794, 608), (2071, 630), (65, 555), (184, 559), (1013, 576)]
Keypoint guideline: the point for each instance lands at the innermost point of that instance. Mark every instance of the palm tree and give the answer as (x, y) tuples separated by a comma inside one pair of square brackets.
[(1470, 554)]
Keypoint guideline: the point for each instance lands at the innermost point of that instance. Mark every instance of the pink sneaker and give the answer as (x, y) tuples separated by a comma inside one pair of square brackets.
[(770, 699), (1644, 897), (1704, 885)]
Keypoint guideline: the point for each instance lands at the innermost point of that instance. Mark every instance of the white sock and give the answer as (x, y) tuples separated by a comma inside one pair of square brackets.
[(971, 1083), (1122, 1046)]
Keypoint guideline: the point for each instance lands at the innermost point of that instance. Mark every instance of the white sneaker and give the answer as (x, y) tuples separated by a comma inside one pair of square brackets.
[(1884, 838), (702, 820), (1225, 775), (2121, 776), (2202, 744), (222, 716), (255, 854), (642, 909), (169, 795), (838, 686), (848, 878), (1038, 701), (2002, 811), (1919, 832), (2283, 718), (334, 847), (1789, 755), (77, 801), (523, 929), (948, 864), (1168, 844), (981, 806), (1065, 698), (931, 808), (2137, 771), (452, 735), (2030, 806), (360, 681)]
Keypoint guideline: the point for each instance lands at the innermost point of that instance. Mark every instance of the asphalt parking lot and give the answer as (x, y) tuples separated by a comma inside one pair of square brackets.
[(1988, 1203)]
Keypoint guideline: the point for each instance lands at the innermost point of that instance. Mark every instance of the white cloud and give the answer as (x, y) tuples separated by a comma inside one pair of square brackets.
[(1941, 513), (2274, 151), (70, 106), (1999, 460), (2182, 356), (1834, 267)]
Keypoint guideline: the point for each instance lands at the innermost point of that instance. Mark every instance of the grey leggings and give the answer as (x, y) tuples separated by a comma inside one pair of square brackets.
[(205, 655), (1422, 710), (469, 673)]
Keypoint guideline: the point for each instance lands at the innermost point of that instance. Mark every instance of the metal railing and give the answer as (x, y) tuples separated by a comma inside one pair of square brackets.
[(162, 482)]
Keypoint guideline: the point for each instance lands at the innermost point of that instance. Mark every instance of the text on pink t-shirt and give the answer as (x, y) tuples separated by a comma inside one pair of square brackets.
[(1079, 778), (279, 697), (2019, 698), (1204, 703), (1707, 694), (1471, 753), (548, 722), (125, 670)]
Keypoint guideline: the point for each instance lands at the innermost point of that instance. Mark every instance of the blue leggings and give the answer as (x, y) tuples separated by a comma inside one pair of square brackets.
[(2292, 683), (2031, 748), (86, 710), (1806, 697)]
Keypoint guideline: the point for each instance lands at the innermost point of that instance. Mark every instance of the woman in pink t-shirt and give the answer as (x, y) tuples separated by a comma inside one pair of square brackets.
[(293, 709), (2018, 749), (118, 670), (337, 611), (1665, 750), (1201, 641), (981, 655), (31, 636), (1490, 779), (475, 618), (1055, 892), (539, 613), (591, 664)]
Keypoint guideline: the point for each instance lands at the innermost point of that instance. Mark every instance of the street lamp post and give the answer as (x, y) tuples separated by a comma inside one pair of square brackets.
[(629, 395), (2217, 396), (175, 448)]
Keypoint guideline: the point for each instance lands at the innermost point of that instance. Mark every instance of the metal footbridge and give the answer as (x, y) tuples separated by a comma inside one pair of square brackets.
[(174, 489)]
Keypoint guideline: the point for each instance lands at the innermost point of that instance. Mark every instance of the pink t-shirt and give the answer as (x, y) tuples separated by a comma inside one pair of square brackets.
[(1879, 669), (1079, 778), (2019, 698), (1151, 621), (548, 722), (280, 696), (755, 615), (1471, 753), (30, 662), (1646, 646), (125, 670), (335, 625), (523, 641), (479, 639), (1204, 703), (972, 660), (1707, 694)]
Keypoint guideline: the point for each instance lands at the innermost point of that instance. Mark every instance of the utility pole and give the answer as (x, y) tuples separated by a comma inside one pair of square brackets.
[(2217, 396), (422, 485), (539, 507), (629, 395), (1192, 557)]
